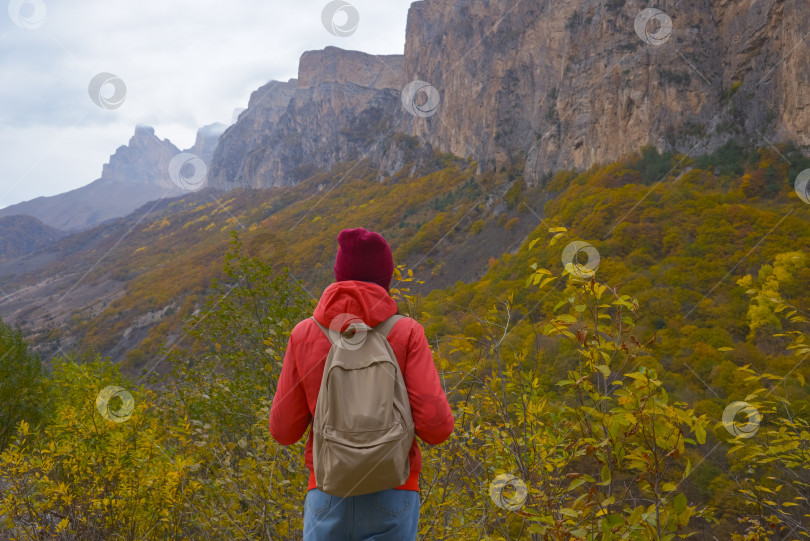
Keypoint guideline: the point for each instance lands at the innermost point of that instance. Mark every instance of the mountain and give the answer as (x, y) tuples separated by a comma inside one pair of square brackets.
[(338, 109), (264, 110), (21, 235), (544, 88), (523, 91), (540, 85), (137, 173)]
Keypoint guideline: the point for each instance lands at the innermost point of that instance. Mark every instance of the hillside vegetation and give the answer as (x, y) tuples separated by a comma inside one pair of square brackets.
[(445, 221), (589, 387)]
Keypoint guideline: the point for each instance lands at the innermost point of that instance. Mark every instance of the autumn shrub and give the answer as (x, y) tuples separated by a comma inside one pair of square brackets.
[(769, 426), (191, 458), (91, 475), (601, 458), (23, 384)]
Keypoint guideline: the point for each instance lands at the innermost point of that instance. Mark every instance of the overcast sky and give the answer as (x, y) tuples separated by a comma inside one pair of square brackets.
[(185, 64)]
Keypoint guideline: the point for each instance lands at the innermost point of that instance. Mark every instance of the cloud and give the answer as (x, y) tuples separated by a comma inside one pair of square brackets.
[(185, 63)]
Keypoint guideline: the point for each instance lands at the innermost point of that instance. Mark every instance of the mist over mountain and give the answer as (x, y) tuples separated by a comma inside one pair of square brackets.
[(207, 139)]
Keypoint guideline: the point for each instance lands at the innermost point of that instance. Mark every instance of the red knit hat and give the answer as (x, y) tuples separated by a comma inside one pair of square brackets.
[(363, 255)]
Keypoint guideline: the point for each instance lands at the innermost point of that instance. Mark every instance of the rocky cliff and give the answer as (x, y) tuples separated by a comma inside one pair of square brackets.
[(570, 84), (144, 159), (265, 108), (543, 84), (340, 108)]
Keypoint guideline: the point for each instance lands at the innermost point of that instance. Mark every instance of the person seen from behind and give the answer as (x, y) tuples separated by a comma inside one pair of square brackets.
[(363, 271)]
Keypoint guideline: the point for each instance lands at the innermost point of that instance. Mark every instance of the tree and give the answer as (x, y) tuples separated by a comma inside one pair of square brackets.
[(23, 385), (238, 338), (771, 443)]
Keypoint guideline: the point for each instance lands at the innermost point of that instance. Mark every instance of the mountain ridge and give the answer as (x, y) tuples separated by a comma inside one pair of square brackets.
[(544, 89), (136, 173)]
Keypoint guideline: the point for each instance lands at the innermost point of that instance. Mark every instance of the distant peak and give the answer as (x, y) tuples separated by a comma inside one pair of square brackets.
[(145, 159), (142, 129)]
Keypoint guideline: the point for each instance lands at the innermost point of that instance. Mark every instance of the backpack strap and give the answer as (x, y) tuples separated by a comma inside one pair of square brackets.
[(324, 329), (385, 327)]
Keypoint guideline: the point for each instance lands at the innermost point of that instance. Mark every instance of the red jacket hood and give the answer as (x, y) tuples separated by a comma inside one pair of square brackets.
[(367, 301)]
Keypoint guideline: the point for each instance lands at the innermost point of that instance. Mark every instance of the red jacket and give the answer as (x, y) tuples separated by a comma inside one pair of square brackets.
[(300, 380)]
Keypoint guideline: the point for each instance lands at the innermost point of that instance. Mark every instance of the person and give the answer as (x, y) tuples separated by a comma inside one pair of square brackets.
[(363, 271)]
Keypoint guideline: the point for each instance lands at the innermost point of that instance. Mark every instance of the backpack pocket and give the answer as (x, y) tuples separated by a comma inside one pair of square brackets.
[(363, 461)]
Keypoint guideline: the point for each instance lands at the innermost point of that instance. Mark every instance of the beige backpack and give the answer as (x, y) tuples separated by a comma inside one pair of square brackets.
[(362, 429)]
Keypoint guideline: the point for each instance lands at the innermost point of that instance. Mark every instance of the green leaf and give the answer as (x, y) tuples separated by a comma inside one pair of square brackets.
[(546, 281), (613, 520), (577, 483), (680, 503), (604, 369), (605, 473), (700, 434)]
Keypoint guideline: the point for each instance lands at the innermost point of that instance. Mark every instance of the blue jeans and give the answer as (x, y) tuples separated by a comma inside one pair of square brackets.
[(387, 515)]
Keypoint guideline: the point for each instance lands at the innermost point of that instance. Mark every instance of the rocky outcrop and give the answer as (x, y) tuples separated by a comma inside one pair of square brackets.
[(571, 84), (265, 108), (334, 65), (339, 109), (136, 174), (145, 159)]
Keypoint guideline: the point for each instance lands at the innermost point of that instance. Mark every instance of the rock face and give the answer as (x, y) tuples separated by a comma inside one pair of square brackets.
[(265, 108), (136, 174), (340, 108), (333, 65), (571, 84), (144, 159), (546, 85)]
